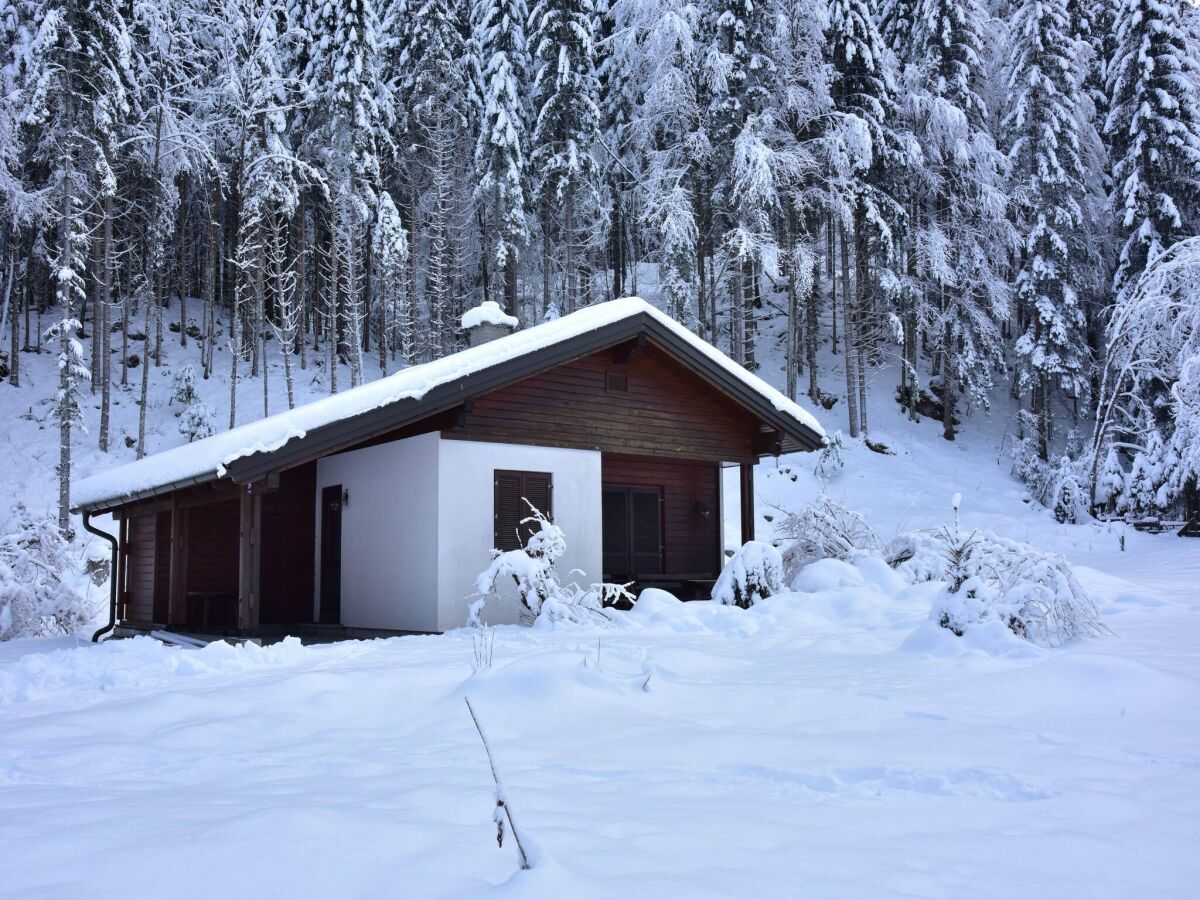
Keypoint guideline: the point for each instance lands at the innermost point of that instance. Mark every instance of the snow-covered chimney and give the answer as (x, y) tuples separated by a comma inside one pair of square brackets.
[(486, 322)]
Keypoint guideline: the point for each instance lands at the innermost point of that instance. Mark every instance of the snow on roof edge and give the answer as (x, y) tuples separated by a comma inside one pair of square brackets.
[(210, 457)]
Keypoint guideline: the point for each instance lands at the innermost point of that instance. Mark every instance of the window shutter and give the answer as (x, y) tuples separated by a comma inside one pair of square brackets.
[(615, 518), (512, 489), (646, 532), (507, 511)]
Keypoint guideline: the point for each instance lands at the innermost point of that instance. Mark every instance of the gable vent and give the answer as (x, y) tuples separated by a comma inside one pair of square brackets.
[(614, 383)]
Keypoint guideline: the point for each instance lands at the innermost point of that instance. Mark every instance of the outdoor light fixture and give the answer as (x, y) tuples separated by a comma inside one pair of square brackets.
[(703, 510)]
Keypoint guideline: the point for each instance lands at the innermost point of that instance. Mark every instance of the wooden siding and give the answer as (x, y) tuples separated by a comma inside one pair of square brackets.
[(648, 405), (139, 579), (289, 535), (691, 544), (212, 547)]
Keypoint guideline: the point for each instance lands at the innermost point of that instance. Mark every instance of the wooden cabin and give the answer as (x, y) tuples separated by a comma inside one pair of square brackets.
[(373, 510)]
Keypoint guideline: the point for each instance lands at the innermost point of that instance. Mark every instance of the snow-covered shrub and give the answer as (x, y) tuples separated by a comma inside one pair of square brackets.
[(1111, 489), (825, 529), (534, 570), (35, 601), (830, 461), (990, 578), (196, 420), (532, 567), (1062, 486), (754, 573)]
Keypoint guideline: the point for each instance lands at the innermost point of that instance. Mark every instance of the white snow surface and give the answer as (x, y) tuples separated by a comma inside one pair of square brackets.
[(488, 313), (209, 457), (831, 742)]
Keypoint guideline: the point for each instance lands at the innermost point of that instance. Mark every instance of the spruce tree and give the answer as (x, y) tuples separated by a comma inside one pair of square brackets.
[(503, 138), (1153, 129), (1048, 189)]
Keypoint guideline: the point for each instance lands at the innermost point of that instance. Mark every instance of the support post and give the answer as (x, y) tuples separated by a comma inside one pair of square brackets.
[(177, 580), (122, 563), (747, 498), (249, 557)]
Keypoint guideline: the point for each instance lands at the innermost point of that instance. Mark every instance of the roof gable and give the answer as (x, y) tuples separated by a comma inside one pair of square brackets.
[(331, 423)]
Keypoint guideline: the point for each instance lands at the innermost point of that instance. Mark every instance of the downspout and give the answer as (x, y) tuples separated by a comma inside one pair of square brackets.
[(112, 576)]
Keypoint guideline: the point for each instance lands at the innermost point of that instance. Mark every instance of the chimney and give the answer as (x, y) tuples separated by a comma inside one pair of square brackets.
[(486, 322)]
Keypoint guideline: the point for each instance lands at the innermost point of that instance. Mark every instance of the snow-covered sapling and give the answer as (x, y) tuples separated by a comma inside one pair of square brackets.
[(533, 567), (825, 529), (35, 563), (830, 461), (196, 420), (754, 573), (990, 578)]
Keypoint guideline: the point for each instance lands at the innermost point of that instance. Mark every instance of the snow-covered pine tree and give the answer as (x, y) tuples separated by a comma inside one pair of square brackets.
[(1048, 188), (500, 150), (655, 46), (1153, 129), (864, 96), (563, 141), (350, 106), (965, 237), (739, 73), (75, 96)]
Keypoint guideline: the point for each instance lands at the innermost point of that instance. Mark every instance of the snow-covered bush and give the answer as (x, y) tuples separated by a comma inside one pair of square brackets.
[(1111, 489), (990, 578), (35, 601), (754, 573), (534, 570), (196, 420), (825, 529), (1062, 486), (830, 461)]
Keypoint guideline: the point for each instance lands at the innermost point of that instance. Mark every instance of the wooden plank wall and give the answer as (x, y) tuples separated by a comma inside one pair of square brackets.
[(139, 583), (691, 544), (289, 535), (663, 410), (212, 547)]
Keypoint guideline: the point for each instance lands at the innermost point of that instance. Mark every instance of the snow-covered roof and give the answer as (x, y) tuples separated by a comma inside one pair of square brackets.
[(210, 458), (488, 313)]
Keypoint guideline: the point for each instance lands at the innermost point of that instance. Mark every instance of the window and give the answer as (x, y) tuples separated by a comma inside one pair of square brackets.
[(512, 490)]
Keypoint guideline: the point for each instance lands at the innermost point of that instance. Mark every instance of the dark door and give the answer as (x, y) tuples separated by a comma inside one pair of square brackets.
[(331, 554), (632, 526)]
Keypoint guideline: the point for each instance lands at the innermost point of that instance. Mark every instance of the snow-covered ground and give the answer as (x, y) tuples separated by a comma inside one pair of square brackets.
[(829, 743)]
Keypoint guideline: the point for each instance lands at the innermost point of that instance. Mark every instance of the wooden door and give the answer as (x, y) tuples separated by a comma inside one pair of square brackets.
[(632, 531), (331, 554)]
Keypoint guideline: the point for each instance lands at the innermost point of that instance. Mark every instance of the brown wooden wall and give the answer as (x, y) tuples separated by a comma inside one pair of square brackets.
[(289, 535), (139, 597), (664, 410), (690, 544), (211, 533)]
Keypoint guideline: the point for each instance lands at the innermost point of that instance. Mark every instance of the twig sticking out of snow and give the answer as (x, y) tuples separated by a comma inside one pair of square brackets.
[(501, 798)]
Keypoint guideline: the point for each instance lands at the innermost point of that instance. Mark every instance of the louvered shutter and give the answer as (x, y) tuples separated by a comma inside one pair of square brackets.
[(511, 490), (507, 511), (615, 524), (646, 531)]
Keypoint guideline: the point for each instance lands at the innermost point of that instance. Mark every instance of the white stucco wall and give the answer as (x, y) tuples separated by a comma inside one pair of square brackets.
[(389, 533), (465, 523)]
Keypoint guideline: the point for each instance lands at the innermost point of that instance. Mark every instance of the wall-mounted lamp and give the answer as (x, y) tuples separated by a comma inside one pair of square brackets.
[(345, 497), (703, 510)]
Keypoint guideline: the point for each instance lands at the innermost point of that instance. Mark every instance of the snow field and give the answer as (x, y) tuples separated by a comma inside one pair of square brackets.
[(829, 742)]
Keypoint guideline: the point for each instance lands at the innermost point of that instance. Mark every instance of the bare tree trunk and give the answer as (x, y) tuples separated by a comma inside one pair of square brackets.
[(948, 386), (181, 237), (103, 305), (860, 320), (151, 305), (849, 357)]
